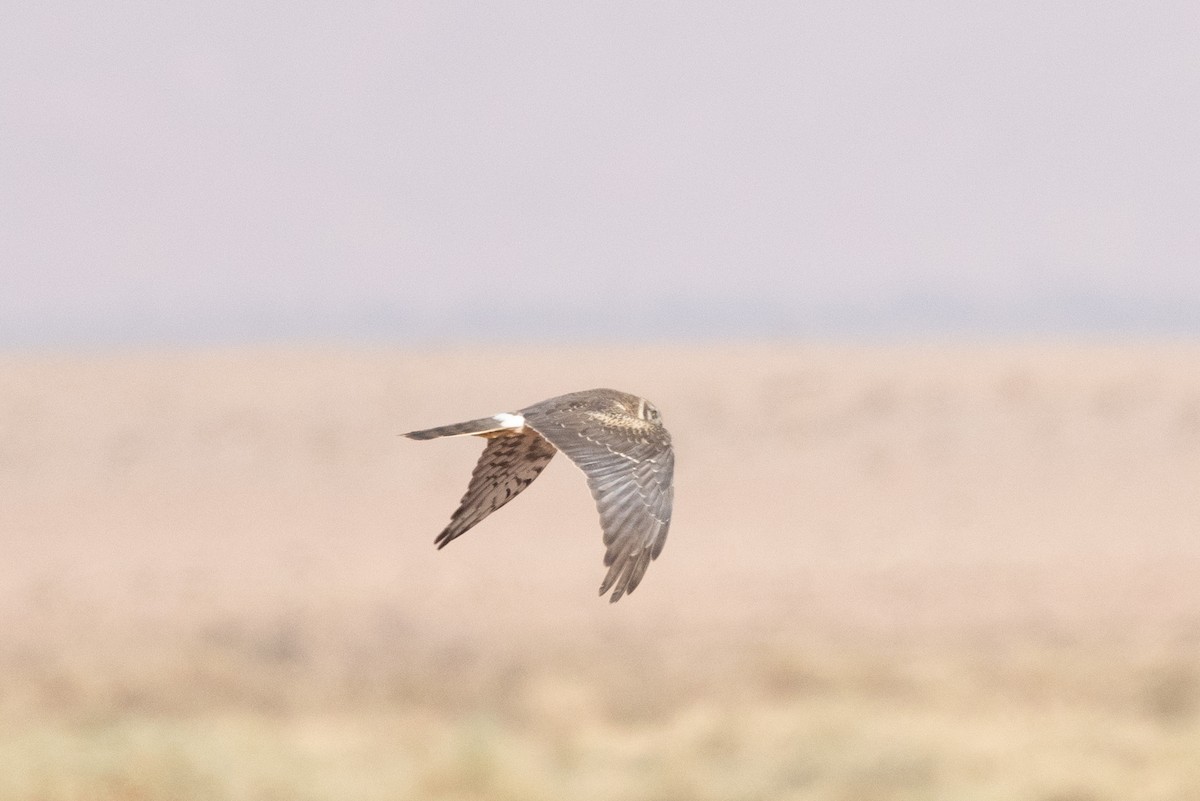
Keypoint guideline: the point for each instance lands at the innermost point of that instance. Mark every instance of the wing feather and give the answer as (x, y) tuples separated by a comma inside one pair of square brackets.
[(509, 464), (629, 469)]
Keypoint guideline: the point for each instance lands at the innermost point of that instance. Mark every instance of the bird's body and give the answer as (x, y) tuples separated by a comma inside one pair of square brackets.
[(619, 442)]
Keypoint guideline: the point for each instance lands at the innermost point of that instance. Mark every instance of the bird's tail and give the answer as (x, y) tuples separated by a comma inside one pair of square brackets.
[(481, 427)]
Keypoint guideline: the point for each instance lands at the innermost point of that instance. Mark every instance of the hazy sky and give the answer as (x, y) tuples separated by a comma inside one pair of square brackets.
[(230, 171)]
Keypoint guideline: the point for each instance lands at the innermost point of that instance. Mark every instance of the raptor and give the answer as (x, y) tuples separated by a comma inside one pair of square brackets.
[(619, 442)]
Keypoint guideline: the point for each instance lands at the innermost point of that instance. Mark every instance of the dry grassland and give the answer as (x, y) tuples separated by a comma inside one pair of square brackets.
[(895, 573)]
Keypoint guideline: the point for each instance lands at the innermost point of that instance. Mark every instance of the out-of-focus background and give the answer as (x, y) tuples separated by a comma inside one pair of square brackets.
[(914, 288)]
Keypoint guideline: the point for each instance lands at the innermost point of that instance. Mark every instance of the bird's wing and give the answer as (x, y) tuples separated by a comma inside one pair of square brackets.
[(509, 464), (629, 469)]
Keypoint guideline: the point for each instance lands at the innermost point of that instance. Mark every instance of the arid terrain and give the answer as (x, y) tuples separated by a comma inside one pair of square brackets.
[(904, 573)]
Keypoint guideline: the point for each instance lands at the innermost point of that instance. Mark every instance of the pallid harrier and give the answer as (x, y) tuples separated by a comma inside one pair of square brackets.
[(619, 442)]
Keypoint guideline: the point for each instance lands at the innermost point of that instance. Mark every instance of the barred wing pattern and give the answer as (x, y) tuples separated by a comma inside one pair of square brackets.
[(629, 464), (509, 464)]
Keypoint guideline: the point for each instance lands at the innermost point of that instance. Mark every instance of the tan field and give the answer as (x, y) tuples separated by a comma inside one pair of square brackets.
[(959, 573)]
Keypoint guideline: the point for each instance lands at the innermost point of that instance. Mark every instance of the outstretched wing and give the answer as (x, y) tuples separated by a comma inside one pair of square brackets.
[(629, 465), (509, 464)]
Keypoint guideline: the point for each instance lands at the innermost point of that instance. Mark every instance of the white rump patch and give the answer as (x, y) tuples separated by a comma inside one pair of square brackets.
[(510, 420)]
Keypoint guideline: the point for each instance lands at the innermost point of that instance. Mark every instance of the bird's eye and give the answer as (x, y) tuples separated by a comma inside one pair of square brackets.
[(651, 413)]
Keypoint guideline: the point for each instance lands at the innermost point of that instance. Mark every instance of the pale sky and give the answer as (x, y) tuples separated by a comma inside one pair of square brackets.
[(215, 172)]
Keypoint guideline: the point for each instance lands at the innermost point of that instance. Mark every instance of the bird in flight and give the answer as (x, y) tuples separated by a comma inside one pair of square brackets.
[(616, 439)]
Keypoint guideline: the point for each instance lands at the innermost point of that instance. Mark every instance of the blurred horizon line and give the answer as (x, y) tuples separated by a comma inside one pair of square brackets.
[(914, 316)]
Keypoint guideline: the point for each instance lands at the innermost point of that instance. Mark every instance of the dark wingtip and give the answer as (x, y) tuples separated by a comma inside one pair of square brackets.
[(618, 593)]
